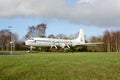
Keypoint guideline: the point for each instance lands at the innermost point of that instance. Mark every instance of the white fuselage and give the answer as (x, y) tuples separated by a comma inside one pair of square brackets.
[(48, 42)]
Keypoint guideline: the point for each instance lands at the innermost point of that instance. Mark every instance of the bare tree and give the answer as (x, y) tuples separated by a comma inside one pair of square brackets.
[(74, 35), (51, 36), (106, 40), (61, 36), (118, 33), (36, 31), (111, 41), (1, 42), (41, 28), (115, 41), (6, 36)]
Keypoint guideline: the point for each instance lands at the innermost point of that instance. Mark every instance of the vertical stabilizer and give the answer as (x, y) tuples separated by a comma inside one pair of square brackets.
[(81, 37)]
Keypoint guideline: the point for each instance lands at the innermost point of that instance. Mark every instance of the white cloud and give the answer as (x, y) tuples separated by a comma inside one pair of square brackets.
[(86, 12)]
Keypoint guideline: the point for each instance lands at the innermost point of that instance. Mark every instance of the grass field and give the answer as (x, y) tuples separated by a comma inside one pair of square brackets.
[(60, 66)]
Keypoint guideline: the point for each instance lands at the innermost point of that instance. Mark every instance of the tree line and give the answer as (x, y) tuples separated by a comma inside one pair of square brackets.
[(111, 39)]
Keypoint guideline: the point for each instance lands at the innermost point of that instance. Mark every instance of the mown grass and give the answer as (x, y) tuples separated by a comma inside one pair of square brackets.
[(60, 66)]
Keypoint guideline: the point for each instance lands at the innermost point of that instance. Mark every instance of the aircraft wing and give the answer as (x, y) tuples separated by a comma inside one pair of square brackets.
[(91, 44)]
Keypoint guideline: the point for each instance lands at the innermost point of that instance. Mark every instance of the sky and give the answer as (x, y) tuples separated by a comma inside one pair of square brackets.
[(61, 16)]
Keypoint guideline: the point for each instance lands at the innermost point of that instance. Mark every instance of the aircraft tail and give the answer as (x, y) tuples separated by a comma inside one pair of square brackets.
[(81, 37)]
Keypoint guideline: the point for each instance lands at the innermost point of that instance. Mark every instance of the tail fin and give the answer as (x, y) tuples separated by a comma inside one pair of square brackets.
[(81, 37)]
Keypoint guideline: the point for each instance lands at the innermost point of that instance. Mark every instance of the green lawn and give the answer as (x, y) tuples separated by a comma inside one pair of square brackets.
[(60, 66)]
